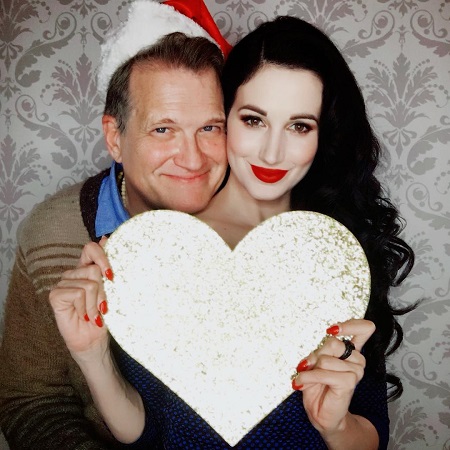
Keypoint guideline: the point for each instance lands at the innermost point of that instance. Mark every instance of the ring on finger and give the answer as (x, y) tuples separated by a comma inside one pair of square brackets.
[(349, 347)]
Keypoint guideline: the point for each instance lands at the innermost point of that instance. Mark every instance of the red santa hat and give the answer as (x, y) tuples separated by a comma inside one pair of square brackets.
[(147, 22)]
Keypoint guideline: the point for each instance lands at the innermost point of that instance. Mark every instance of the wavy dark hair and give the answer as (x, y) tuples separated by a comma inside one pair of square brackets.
[(341, 181)]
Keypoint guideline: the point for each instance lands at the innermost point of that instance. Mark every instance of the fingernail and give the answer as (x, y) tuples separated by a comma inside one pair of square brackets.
[(295, 387), (302, 365), (98, 321), (103, 307), (86, 318), (334, 330), (109, 274)]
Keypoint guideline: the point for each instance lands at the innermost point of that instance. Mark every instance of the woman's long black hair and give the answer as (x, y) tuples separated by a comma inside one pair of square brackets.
[(341, 181)]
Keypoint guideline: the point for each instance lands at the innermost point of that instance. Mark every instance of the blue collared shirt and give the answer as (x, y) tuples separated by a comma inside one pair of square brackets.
[(110, 212)]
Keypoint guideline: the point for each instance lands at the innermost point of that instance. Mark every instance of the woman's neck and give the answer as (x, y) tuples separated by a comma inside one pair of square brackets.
[(233, 212)]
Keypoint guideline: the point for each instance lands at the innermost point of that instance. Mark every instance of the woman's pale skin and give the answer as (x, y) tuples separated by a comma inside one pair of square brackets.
[(272, 139)]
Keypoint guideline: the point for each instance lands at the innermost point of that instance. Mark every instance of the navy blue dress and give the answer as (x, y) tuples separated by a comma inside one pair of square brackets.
[(172, 424)]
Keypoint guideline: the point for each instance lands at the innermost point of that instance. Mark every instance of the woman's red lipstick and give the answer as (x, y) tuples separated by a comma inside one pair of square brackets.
[(268, 175)]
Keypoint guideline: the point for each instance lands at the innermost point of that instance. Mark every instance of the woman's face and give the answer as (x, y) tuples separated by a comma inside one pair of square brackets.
[(273, 129)]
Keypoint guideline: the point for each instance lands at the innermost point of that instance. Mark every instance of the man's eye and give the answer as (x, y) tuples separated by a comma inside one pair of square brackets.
[(213, 128), (161, 130)]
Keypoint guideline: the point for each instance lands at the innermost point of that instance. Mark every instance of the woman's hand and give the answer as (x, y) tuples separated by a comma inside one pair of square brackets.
[(79, 300), (328, 383)]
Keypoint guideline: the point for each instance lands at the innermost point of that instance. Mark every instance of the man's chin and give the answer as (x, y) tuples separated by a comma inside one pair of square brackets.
[(193, 201), (190, 206)]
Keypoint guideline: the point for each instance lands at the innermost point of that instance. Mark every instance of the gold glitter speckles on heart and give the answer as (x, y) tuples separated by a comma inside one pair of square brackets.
[(182, 298)]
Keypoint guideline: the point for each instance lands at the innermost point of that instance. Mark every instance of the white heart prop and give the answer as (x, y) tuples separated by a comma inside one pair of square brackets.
[(225, 329)]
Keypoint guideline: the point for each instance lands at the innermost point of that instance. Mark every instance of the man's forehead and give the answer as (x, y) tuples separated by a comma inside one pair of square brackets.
[(173, 94), (159, 72), (174, 117)]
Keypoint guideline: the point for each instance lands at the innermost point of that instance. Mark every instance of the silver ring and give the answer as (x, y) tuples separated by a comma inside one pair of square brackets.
[(349, 347)]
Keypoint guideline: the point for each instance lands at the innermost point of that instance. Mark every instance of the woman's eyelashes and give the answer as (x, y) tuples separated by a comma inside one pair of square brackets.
[(252, 121), (301, 127), (257, 122)]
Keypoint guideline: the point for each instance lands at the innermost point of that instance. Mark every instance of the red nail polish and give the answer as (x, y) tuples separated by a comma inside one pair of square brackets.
[(103, 307), (334, 330), (109, 274), (98, 321), (295, 387), (303, 365), (86, 318)]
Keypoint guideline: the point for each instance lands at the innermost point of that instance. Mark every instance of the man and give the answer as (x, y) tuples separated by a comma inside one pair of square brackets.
[(164, 127)]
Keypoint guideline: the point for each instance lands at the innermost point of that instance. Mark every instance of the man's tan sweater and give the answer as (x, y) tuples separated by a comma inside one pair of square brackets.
[(44, 400)]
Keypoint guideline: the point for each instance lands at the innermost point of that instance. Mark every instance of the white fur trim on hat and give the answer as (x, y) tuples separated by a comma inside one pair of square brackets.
[(147, 22)]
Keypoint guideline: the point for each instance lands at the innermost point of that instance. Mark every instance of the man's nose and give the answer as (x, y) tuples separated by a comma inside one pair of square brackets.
[(190, 155), (272, 150)]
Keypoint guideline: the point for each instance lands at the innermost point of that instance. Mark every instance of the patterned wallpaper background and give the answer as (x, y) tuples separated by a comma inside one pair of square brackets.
[(50, 137)]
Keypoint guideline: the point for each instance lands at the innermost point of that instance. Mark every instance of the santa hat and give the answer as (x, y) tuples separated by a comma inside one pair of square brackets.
[(147, 22)]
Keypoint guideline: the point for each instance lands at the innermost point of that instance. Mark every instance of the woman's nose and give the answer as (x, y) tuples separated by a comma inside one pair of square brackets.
[(272, 149)]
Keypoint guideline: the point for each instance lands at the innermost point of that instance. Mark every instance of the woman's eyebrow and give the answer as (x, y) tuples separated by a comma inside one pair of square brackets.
[(294, 117), (254, 108), (304, 116)]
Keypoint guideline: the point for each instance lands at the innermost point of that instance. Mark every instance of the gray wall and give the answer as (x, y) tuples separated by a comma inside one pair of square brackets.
[(50, 136)]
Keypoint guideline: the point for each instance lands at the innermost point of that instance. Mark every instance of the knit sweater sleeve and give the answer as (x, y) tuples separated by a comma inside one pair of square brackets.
[(44, 402)]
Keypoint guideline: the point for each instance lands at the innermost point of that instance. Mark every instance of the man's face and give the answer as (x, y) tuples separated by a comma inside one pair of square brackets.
[(173, 147)]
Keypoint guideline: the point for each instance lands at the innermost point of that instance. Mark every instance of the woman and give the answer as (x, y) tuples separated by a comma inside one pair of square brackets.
[(298, 139)]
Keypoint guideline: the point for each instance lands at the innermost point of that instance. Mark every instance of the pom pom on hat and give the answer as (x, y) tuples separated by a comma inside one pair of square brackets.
[(148, 21)]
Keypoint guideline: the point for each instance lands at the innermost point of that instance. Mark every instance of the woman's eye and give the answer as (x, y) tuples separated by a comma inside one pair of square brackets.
[(301, 127), (252, 121)]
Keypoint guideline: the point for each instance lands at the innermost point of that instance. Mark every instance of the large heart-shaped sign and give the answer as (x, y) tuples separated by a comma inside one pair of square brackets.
[(225, 329)]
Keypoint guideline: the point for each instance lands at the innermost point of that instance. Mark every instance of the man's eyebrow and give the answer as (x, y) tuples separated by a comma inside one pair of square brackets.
[(216, 119), (156, 119)]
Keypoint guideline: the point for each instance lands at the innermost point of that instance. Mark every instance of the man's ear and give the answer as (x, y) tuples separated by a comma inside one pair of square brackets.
[(112, 137)]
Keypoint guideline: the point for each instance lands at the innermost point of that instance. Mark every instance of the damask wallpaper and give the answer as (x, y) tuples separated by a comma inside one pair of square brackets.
[(50, 137)]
